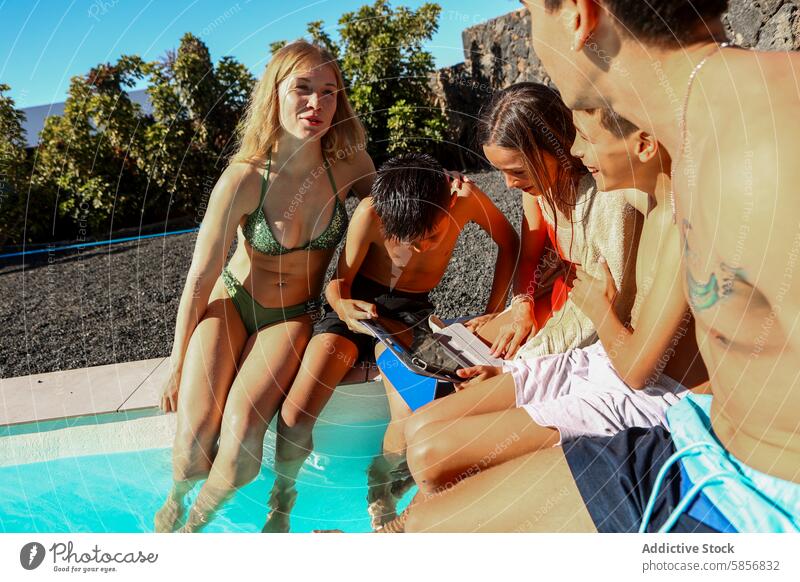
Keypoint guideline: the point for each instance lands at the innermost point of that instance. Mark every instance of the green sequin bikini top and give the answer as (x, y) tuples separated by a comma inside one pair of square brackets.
[(260, 236)]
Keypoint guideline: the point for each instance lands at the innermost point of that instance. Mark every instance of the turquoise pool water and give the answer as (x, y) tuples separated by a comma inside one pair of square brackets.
[(120, 493)]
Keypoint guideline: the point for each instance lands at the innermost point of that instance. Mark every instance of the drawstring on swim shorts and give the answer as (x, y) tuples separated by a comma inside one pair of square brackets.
[(715, 478), (690, 495)]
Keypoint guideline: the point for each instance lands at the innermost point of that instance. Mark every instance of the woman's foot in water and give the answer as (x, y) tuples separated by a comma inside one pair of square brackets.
[(382, 502), (205, 507), (277, 522), (396, 525), (382, 511), (168, 518), (196, 521), (386, 483), (281, 502)]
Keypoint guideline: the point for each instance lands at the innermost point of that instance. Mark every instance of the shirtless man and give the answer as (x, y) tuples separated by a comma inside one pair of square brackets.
[(742, 136)]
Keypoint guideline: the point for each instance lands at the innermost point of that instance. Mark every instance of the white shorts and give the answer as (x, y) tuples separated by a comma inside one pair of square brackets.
[(580, 394)]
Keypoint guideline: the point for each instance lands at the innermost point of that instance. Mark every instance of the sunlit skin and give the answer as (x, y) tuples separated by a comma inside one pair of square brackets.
[(307, 106), (418, 265), (425, 243), (609, 158), (442, 447), (308, 103), (514, 167), (553, 39), (635, 163), (415, 267), (747, 331), (233, 382), (739, 216)]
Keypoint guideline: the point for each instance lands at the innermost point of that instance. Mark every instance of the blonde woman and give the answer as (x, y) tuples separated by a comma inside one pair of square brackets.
[(242, 327)]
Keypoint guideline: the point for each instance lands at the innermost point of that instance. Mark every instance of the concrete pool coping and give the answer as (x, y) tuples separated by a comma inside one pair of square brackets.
[(69, 393), (114, 408), (117, 387)]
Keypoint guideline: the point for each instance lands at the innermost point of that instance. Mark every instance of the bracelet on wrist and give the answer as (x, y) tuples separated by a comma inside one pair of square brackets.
[(527, 297)]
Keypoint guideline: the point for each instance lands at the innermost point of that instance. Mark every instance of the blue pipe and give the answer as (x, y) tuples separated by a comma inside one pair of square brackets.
[(96, 243)]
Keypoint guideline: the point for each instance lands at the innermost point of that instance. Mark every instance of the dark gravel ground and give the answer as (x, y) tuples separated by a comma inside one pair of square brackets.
[(75, 309)]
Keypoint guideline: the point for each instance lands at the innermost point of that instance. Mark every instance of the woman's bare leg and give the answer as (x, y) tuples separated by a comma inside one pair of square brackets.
[(493, 395), (208, 371), (269, 363), (446, 452), (532, 493), (326, 361)]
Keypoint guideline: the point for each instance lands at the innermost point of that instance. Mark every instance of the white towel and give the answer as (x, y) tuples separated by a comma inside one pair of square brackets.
[(603, 224)]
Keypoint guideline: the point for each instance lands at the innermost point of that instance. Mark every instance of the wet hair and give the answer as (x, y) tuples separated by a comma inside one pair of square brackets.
[(665, 23), (409, 194), (612, 121), (532, 118)]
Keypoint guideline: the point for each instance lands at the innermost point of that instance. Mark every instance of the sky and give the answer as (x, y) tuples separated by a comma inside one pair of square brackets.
[(45, 42)]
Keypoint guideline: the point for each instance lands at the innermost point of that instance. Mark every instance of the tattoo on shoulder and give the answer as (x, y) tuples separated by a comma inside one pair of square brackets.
[(703, 295)]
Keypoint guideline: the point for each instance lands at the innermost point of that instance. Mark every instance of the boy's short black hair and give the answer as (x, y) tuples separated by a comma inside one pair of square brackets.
[(664, 23), (612, 121), (409, 194)]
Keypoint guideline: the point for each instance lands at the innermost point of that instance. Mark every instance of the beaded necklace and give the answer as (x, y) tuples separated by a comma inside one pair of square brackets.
[(683, 131)]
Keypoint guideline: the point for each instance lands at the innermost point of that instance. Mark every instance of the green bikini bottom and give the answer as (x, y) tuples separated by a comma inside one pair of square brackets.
[(254, 315)]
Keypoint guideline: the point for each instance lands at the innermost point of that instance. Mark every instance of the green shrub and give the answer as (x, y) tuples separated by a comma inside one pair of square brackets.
[(381, 54), (105, 164)]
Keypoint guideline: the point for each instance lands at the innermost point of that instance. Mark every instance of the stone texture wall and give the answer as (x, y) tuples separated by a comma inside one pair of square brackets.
[(497, 54), (764, 24)]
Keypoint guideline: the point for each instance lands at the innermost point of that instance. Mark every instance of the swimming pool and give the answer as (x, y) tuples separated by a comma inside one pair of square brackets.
[(123, 472)]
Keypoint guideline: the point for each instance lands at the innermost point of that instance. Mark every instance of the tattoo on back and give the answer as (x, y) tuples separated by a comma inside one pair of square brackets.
[(705, 295)]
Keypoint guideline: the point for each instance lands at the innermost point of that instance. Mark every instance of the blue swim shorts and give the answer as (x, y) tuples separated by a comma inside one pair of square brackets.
[(615, 476), (651, 480)]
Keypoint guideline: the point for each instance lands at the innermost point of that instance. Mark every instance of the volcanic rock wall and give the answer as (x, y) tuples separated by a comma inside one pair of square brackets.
[(497, 54)]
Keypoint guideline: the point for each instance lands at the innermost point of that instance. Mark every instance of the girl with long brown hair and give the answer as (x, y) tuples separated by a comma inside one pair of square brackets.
[(526, 132), (242, 327)]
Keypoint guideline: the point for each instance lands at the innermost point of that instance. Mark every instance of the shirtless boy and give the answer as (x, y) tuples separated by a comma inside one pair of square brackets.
[(734, 136), (397, 249)]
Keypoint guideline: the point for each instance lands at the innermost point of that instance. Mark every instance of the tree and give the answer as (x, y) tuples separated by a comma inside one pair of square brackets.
[(13, 170), (237, 84), (12, 136), (386, 69), (91, 155), (410, 127), (106, 163), (182, 92), (196, 109), (318, 34)]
